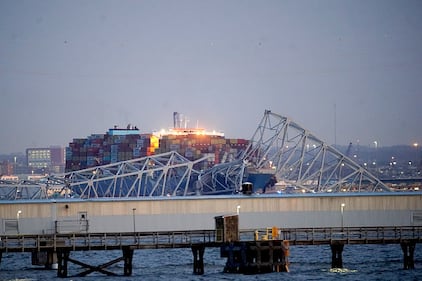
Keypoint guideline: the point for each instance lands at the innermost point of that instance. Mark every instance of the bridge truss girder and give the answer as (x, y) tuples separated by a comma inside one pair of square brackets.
[(224, 178), (22, 189), (301, 159), (167, 174)]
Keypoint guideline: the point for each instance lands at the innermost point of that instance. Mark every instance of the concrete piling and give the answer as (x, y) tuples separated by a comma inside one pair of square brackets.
[(408, 248), (198, 258), (336, 255)]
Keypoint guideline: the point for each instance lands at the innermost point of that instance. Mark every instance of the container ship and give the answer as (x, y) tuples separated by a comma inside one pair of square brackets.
[(121, 144), (260, 179)]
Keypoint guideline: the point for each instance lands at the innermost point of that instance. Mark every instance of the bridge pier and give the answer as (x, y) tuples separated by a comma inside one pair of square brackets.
[(336, 254), (198, 258), (408, 248)]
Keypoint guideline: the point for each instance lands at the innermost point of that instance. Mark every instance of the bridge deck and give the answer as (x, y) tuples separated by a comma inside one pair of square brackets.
[(185, 239)]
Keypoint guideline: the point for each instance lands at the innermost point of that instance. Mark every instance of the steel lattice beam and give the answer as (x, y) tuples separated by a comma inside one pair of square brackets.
[(167, 174), (22, 189), (301, 159)]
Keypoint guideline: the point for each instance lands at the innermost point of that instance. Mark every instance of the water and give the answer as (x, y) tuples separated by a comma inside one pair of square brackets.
[(361, 262)]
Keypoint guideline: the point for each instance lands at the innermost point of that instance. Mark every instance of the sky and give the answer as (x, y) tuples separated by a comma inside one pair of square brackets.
[(346, 70)]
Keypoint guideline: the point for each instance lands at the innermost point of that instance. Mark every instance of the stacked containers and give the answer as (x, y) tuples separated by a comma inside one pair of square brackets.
[(101, 149)]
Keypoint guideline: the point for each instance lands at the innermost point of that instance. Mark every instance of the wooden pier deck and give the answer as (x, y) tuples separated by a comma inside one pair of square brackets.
[(185, 239), (62, 244)]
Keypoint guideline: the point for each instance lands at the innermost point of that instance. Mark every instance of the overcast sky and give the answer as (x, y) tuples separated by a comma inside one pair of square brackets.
[(69, 69)]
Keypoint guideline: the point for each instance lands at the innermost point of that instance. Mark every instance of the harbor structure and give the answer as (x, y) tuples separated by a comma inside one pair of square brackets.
[(138, 202), (179, 213), (255, 237)]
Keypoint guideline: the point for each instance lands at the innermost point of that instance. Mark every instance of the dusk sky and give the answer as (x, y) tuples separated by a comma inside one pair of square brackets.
[(69, 69)]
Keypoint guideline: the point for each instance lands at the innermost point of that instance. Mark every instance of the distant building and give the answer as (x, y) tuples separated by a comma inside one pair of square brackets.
[(6, 168), (45, 160)]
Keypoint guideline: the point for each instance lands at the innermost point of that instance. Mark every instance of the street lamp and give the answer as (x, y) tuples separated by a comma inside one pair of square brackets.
[(17, 219), (342, 215), (416, 145)]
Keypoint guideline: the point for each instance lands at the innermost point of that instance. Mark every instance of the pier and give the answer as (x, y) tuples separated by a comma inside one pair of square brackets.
[(257, 240), (256, 251)]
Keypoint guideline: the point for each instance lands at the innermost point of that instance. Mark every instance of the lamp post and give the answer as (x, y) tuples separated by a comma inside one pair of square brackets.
[(418, 162), (375, 160), (134, 225), (17, 219), (342, 215)]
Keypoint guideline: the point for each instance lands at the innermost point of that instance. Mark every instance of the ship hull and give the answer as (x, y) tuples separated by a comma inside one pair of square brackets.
[(260, 181)]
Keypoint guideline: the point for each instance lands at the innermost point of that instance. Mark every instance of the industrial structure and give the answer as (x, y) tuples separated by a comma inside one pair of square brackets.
[(280, 150), (157, 201)]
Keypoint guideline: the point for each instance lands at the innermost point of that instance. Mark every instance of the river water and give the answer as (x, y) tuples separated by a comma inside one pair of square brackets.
[(361, 262)]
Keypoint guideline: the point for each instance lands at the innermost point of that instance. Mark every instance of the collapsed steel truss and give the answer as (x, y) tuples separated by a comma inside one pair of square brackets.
[(279, 145), (167, 174), (296, 157), (302, 160), (22, 189)]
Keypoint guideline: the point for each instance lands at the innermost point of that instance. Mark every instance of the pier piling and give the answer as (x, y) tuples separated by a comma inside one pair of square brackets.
[(248, 257), (256, 256), (62, 258), (336, 255), (198, 258), (408, 248), (127, 259)]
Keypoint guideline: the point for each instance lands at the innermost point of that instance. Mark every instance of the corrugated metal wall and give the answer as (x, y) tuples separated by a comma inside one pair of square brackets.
[(198, 213)]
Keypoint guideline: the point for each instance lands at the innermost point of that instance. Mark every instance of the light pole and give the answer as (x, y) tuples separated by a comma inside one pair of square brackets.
[(418, 162), (376, 156), (17, 219), (342, 215), (134, 225)]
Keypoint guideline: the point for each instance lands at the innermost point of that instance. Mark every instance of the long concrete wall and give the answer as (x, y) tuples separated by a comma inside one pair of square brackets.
[(189, 213)]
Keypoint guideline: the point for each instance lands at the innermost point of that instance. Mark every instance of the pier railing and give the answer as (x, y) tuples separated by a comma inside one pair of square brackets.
[(185, 239), (106, 241), (345, 235)]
